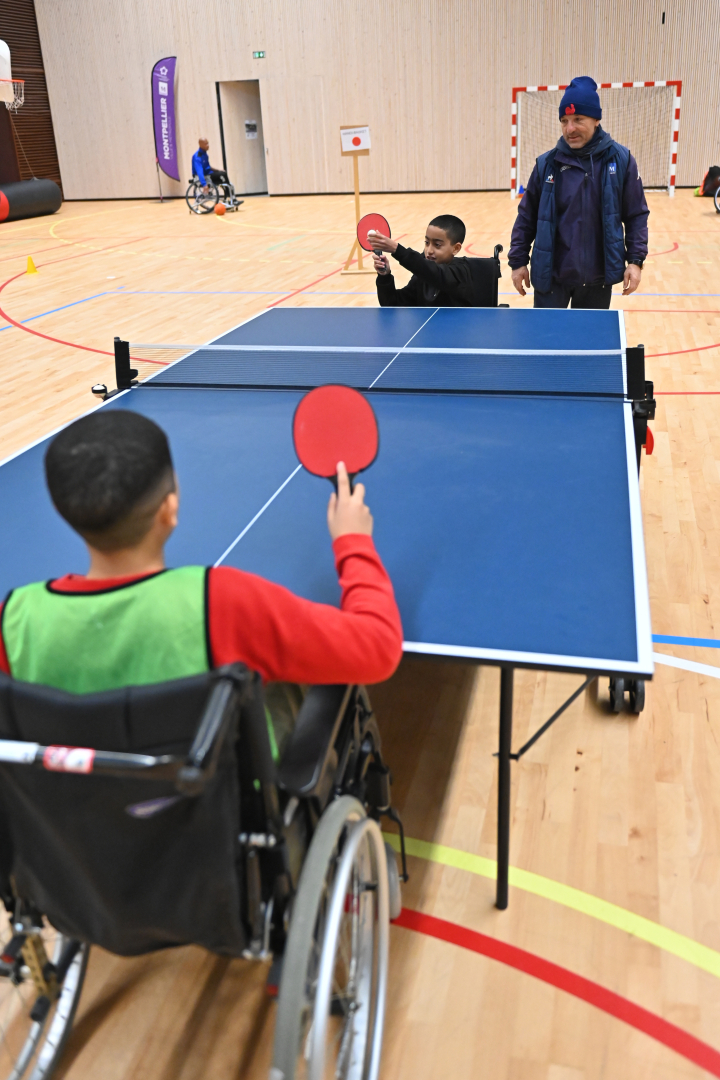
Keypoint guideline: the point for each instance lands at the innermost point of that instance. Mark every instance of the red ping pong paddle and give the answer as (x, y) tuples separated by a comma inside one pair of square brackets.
[(649, 442), (335, 423), (368, 222)]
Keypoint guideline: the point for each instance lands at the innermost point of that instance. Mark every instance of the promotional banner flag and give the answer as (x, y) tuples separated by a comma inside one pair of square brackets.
[(163, 102)]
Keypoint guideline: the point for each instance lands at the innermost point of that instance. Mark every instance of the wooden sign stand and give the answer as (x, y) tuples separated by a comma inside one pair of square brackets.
[(360, 269)]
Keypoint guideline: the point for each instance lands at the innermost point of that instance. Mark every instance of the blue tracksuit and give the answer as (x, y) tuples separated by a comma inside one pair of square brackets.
[(578, 251), (200, 165)]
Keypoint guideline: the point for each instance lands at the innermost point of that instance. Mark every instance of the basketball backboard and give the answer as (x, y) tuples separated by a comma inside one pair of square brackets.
[(11, 91)]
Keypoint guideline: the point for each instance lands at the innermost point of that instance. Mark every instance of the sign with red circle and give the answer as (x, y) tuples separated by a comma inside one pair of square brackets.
[(355, 140)]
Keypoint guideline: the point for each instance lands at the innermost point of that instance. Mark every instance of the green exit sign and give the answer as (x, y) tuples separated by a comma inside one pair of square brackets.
[(259, 55)]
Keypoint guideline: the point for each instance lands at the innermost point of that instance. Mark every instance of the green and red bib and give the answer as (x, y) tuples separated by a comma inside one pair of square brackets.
[(150, 630)]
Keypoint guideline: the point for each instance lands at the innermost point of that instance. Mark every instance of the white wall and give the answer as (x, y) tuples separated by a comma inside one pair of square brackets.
[(433, 79)]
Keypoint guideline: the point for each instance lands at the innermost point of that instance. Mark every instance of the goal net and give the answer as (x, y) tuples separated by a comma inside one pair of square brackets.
[(642, 116)]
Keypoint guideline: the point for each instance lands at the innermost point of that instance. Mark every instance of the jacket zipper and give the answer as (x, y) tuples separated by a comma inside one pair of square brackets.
[(585, 216)]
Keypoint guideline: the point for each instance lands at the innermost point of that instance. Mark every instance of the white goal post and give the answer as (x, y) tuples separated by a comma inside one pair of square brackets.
[(644, 116)]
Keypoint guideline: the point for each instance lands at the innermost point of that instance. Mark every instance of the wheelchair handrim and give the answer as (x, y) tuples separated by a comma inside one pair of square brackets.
[(358, 833)]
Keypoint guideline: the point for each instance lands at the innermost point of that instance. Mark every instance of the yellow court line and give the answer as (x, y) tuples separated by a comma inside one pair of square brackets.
[(79, 217), (622, 919)]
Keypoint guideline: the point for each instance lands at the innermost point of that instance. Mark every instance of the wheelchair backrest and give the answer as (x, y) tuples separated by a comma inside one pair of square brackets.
[(485, 274), (128, 862)]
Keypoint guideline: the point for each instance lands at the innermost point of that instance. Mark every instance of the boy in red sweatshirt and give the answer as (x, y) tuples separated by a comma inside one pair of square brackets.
[(132, 621)]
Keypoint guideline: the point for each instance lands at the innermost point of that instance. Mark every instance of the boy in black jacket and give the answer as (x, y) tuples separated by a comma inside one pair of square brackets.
[(440, 279)]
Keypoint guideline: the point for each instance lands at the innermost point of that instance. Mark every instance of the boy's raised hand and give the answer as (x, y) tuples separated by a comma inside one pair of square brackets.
[(382, 265), (380, 242), (347, 513)]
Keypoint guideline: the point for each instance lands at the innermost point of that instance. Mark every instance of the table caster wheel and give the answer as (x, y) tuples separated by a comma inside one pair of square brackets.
[(636, 695), (617, 695)]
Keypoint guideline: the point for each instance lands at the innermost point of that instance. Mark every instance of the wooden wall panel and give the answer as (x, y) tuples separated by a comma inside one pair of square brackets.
[(433, 78)]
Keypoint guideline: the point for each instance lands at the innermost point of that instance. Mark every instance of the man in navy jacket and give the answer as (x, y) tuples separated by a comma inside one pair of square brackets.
[(584, 213)]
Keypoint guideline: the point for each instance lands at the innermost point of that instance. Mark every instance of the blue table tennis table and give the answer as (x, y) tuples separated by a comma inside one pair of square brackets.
[(505, 494)]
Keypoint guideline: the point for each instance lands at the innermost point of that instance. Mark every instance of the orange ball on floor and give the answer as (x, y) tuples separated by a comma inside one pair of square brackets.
[(220, 208)]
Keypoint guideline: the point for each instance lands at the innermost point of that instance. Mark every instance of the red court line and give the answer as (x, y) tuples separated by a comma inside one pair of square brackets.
[(316, 282), (59, 341), (9, 258), (84, 254), (474, 254), (669, 251), (680, 352), (682, 1042)]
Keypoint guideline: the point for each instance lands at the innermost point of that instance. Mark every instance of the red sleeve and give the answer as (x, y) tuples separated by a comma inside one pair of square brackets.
[(284, 637), (4, 662)]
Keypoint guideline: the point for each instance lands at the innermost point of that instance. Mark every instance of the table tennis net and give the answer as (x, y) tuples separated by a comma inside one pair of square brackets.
[(597, 372)]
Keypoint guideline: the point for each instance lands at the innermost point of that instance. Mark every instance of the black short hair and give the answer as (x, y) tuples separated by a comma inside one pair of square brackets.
[(452, 226), (107, 474)]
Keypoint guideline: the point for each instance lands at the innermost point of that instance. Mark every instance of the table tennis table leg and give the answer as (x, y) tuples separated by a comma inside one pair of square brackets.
[(503, 818)]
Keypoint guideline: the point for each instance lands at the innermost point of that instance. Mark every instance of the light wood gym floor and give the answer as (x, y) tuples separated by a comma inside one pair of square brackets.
[(616, 819)]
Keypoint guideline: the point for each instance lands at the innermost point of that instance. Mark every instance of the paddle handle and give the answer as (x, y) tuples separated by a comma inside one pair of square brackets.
[(351, 477)]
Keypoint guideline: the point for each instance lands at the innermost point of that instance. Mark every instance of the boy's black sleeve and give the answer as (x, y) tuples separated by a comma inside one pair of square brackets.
[(390, 296), (445, 276)]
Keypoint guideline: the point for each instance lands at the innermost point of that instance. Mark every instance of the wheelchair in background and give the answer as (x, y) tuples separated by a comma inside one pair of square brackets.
[(155, 816), (203, 198)]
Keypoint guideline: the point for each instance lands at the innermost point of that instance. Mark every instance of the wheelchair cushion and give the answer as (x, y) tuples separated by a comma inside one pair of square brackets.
[(130, 884)]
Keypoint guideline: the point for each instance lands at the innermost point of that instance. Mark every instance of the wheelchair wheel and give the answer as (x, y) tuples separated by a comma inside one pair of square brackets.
[(30, 1049), (331, 1006), (200, 201), (617, 695), (637, 695), (716, 200)]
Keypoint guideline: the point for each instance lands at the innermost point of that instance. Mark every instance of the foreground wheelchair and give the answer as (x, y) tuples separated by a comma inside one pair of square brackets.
[(203, 198), (150, 817)]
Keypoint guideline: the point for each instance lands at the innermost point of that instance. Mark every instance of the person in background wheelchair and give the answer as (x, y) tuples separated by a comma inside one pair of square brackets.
[(203, 170), (205, 832)]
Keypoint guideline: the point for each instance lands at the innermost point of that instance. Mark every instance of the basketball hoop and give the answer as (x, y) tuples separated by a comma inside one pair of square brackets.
[(12, 92)]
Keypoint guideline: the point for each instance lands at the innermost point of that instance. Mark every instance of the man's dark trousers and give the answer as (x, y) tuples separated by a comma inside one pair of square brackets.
[(582, 296), (218, 176)]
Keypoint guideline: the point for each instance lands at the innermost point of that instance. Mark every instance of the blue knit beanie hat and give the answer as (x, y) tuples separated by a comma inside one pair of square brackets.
[(581, 97)]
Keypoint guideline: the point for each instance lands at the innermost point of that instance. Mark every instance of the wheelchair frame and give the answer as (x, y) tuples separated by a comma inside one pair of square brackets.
[(315, 864), (200, 201)]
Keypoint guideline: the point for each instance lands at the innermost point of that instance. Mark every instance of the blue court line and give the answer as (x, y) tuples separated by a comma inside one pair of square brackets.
[(52, 312), (240, 292), (701, 642), (173, 292)]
